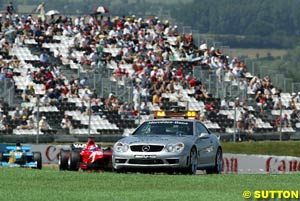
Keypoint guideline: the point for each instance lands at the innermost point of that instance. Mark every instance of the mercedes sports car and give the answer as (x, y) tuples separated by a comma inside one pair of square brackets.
[(20, 156), (177, 145), (89, 156)]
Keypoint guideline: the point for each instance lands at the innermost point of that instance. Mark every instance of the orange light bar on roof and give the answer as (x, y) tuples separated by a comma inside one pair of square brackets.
[(160, 114), (191, 114)]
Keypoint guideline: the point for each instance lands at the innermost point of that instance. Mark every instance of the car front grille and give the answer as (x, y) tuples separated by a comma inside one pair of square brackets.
[(150, 148), (145, 161)]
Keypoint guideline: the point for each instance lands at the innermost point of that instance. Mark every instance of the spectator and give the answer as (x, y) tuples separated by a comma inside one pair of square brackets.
[(292, 104), (295, 118), (31, 124), (200, 93), (277, 103), (136, 97), (144, 110), (93, 95), (10, 8), (224, 104), (84, 82), (43, 124), (5, 122), (156, 98), (285, 121), (17, 115), (23, 123), (66, 124), (28, 93), (297, 98), (82, 108), (44, 58), (97, 107), (112, 103)]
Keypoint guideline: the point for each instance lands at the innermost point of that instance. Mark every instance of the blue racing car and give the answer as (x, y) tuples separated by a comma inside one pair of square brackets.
[(20, 156)]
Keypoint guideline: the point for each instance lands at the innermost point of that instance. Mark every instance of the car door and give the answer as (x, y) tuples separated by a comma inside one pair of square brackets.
[(204, 144)]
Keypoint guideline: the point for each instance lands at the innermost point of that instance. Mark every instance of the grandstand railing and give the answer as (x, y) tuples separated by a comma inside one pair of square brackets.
[(7, 91), (219, 88), (104, 85), (296, 87), (122, 89)]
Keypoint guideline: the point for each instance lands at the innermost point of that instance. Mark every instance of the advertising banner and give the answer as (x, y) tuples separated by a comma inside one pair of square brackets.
[(255, 164)]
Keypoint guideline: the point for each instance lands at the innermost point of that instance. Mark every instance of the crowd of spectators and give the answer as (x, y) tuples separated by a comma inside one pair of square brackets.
[(151, 54)]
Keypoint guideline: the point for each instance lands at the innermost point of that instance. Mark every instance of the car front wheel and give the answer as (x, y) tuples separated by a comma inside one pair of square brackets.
[(193, 164), (217, 169)]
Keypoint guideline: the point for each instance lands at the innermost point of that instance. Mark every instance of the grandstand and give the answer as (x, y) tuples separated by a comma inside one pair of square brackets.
[(60, 75)]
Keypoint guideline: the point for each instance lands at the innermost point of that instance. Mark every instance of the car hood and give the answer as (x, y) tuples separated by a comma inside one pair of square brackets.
[(155, 139)]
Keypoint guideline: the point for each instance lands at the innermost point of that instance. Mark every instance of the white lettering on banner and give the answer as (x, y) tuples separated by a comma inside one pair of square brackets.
[(274, 164)]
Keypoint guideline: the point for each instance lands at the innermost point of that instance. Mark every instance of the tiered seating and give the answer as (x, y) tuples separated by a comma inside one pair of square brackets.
[(155, 50)]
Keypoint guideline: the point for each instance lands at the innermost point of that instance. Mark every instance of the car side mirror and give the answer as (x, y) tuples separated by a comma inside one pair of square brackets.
[(204, 136)]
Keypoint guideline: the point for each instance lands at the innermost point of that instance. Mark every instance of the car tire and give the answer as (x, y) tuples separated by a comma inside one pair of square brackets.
[(217, 169), (1, 156), (74, 160), (193, 163), (63, 160), (24, 158), (37, 156), (115, 170)]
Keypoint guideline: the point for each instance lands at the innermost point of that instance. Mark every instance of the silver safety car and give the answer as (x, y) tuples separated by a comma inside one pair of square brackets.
[(176, 145)]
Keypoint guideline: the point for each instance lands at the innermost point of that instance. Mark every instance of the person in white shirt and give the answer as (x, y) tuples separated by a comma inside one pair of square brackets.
[(43, 124)]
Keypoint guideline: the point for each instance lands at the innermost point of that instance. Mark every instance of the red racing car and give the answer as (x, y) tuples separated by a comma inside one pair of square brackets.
[(88, 156)]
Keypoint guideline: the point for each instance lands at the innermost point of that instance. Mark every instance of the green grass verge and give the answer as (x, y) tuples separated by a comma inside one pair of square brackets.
[(48, 185), (285, 148)]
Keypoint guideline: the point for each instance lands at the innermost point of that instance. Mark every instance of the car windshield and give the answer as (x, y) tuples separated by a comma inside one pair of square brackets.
[(165, 128)]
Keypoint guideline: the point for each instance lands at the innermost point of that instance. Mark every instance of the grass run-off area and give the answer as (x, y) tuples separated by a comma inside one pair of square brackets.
[(284, 148), (49, 184)]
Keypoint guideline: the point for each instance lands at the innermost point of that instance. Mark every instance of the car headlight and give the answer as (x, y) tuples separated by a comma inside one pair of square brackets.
[(121, 147), (175, 147)]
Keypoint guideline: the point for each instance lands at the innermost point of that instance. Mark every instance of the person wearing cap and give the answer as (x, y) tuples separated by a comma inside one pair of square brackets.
[(30, 122), (66, 124), (4, 122), (43, 124), (23, 122)]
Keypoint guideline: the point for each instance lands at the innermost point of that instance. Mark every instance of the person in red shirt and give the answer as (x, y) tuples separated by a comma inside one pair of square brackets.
[(193, 82)]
